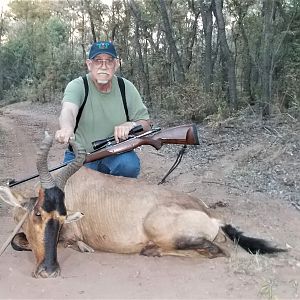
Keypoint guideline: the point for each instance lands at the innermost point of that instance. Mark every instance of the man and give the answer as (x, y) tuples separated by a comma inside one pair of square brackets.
[(104, 113)]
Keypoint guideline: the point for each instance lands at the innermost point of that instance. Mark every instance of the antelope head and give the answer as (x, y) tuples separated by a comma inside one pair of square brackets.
[(45, 213)]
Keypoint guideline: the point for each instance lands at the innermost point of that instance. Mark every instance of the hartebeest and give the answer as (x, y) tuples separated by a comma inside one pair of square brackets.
[(117, 215)]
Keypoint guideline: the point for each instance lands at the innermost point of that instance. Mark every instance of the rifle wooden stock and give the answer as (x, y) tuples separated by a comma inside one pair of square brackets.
[(185, 135)]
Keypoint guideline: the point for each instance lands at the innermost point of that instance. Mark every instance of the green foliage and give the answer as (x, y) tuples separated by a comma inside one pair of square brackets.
[(38, 53), (287, 74), (43, 44), (30, 9), (15, 61), (187, 101), (56, 31)]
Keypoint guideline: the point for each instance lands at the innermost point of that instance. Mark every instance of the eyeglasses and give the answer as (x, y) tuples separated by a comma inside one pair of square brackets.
[(100, 62)]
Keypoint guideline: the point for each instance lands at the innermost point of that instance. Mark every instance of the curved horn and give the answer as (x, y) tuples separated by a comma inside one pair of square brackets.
[(46, 179), (80, 154)]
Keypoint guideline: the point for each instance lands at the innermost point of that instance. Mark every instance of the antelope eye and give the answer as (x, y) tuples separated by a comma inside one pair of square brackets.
[(37, 213)]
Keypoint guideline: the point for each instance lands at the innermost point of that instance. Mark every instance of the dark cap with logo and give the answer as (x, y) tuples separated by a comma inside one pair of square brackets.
[(102, 47)]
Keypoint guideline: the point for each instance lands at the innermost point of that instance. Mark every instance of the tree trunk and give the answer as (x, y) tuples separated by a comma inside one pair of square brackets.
[(180, 74), (147, 76), (1, 63), (143, 70), (191, 37), (247, 61), (206, 14), (137, 15), (1, 25), (144, 78), (267, 57), (83, 38), (88, 8), (226, 54)]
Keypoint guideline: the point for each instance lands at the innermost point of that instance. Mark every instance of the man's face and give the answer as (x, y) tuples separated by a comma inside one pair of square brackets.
[(102, 68)]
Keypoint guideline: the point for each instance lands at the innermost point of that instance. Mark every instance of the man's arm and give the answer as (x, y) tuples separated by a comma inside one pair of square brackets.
[(67, 122)]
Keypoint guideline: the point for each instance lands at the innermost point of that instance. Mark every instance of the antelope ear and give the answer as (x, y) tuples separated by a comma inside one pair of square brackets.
[(20, 243), (11, 198), (73, 217)]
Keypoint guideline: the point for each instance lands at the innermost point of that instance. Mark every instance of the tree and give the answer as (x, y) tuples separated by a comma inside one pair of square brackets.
[(191, 35), (240, 11), (207, 22), (139, 24), (43, 45), (267, 43), (226, 54), (171, 42), (89, 11)]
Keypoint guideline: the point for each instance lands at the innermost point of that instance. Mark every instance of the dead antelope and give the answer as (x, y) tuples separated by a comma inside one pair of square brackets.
[(115, 214)]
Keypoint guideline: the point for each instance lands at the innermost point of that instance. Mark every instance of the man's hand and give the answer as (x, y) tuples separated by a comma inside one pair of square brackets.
[(67, 121), (121, 131), (63, 135)]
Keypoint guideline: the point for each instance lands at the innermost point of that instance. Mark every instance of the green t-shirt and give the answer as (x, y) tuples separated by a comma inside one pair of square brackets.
[(103, 111)]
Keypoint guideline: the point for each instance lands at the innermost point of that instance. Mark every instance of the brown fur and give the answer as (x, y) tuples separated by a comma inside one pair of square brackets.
[(123, 215), (126, 215)]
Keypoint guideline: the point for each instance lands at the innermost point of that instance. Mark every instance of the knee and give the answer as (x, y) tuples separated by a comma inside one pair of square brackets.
[(127, 165), (130, 170)]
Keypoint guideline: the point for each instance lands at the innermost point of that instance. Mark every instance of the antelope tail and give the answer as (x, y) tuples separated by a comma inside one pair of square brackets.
[(250, 244)]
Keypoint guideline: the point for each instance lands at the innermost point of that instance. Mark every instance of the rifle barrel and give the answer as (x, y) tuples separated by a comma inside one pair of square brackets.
[(13, 182)]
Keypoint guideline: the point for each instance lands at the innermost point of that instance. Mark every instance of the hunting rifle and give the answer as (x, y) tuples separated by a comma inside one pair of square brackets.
[(183, 134)]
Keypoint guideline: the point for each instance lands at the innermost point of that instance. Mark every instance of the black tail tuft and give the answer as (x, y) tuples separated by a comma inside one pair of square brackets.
[(252, 245)]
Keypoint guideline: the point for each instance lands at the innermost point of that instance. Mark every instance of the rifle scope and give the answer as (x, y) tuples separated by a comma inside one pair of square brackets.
[(99, 144)]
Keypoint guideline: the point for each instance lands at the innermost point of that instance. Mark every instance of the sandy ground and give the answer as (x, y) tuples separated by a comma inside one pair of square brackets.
[(115, 276)]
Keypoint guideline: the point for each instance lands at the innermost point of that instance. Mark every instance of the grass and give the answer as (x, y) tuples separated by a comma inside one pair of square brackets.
[(267, 290)]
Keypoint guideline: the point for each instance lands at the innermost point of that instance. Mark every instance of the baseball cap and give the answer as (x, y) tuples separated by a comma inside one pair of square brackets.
[(102, 47)]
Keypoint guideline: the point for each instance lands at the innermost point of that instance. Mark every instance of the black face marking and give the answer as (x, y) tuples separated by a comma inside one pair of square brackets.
[(55, 200), (50, 263)]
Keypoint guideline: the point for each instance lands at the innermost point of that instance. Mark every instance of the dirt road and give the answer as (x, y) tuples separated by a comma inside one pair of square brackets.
[(215, 172)]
